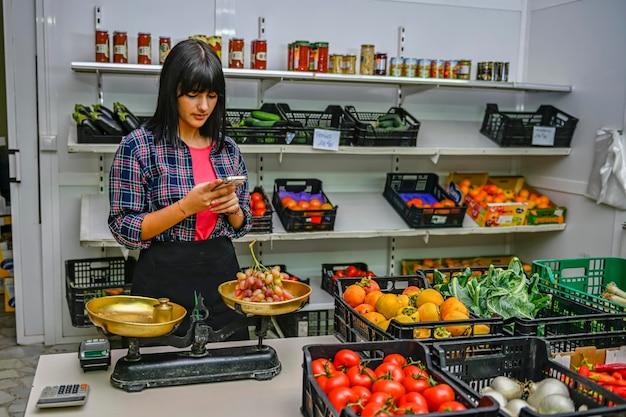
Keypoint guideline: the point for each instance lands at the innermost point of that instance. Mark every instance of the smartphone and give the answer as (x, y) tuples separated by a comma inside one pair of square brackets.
[(236, 180)]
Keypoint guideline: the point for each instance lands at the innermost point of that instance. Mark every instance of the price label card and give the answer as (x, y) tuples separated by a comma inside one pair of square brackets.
[(326, 139), (543, 136)]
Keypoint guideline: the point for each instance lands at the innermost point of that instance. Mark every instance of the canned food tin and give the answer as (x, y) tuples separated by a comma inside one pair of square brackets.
[(313, 56), (395, 66), (450, 69), (348, 64), (322, 57), (290, 57), (144, 48), (436, 68), (235, 53), (301, 55), (120, 47), (335, 64), (484, 71), (258, 55), (504, 72), (409, 67), (464, 69), (102, 46), (367, 60), (165, 44), (423, 68), (380, 64)]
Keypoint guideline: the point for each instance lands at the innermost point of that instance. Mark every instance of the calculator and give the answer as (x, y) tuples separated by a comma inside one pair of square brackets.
[(70, 395)]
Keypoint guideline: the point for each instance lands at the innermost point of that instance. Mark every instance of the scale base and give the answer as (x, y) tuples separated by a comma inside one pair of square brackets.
[(179, 368)]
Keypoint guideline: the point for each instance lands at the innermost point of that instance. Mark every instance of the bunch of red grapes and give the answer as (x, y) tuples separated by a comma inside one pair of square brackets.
[(262, 285)]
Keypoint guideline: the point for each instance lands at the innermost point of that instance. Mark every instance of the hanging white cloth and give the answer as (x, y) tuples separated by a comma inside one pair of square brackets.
[(607, 181)]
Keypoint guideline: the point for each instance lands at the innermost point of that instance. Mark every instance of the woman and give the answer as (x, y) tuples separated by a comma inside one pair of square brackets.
[(163, 189)]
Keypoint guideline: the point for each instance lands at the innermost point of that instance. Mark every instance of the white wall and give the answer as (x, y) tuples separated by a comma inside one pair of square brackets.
[(488, 30)]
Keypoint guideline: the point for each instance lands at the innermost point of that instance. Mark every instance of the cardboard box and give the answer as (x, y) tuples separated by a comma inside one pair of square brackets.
[(499, 214), (592, 355), (551, 215), (9, 295), (454, 180)]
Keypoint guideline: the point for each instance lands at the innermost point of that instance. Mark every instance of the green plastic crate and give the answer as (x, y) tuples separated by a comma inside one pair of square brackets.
[(583, 279)]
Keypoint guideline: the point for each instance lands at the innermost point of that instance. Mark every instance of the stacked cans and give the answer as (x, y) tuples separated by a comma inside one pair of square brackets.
[(492, 71), (429, 68), (120, 47)]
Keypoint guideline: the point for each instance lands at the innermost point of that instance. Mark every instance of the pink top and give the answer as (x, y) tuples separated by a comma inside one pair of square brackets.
[(203, 172)]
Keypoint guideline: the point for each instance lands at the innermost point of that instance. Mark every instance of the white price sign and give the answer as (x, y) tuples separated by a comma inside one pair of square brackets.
[(543, 136), (326, 139)]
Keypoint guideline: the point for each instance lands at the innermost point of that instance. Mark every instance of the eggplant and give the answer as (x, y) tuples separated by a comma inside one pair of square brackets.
[(128, 123), (110, 126), (105, 110), (82, 109), (82, 120), (121, 108)]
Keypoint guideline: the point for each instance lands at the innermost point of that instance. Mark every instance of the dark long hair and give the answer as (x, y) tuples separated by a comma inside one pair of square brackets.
[(191, 66)]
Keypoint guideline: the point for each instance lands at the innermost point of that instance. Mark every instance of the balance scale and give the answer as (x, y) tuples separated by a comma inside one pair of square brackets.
[(138, 319)]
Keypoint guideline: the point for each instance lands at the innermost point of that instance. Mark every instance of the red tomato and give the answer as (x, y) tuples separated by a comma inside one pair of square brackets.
[(414, 398), (351, 271), (339, 274), (321, 366), (395, 358), (334, 380), (362, 397), (389, 370), (415, 370), (381, 398), (375, 410), (360, 375), (256, 196), (415, 383), (411, 408), (258, 205), (393, 388), (437, 395), (341, 396), (346, 358), (451, 406), (258, 213)]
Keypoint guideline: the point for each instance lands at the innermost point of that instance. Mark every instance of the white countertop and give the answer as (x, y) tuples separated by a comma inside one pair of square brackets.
[(280, 396)]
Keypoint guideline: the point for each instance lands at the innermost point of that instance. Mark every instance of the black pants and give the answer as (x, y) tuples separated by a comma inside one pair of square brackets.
[(179, 270)]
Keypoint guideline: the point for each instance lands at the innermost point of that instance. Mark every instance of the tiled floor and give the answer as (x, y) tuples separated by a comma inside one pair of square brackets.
[(17, 366)]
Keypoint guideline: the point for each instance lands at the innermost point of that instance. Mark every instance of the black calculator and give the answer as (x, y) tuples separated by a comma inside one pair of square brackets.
[(70, 395)]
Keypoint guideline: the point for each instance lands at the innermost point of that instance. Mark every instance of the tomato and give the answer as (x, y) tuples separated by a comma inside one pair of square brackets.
[(413, 398), (375, 410), (389, 370), (388, 386), (258, 213), (321, 366), (437, 395), (415, 383), (351, 271), (258, 205), (411, 408), (346, 358), (362, 397), (451, 406), (395, 358), (341, 396), (256, 196), (415, 370), (339, 274), (335, 379), (381, 398), (360, 375)]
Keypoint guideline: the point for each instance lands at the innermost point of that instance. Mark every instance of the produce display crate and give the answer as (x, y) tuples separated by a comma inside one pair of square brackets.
[(569, 343), (516, 128), (401, 187), (329, 284), (554, 214), (302, 123), (86, 135), (584, 279), (252, 135), (306, 323), (315, 402), (351, 326), (448, 266), (474, 363), (303, 220), (86, 279), (499, 214), (368, 135), (262, 224)]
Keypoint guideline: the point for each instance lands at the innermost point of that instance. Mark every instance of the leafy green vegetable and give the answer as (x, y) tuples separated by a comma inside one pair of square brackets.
[(505, 292)]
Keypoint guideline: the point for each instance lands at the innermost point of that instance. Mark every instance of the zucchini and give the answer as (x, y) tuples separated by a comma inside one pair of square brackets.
[(108, 125), (390, 120), (265, 116), (254, 122)]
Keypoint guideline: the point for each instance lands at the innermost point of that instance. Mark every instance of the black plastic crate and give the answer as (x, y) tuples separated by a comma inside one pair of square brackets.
[(303, 220), (254, 135), (516, 128), (329, 284), (368, 135), (306, 323), (474, 363), (599, 340), (401, 187), (262, 224), (86, 279), (302, 123)]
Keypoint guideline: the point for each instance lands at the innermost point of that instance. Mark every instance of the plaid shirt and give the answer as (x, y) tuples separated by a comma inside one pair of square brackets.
[(146, 177)]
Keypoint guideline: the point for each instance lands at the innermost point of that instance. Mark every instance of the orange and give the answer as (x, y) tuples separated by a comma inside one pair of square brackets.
[(289, 203), (429, 295), (364, 308), (354, 295), (457, 330), (450, 305), (314, 203), (303, 205), (428, 312), (465, 182), (372, 297), (326, 206), (388, 304)]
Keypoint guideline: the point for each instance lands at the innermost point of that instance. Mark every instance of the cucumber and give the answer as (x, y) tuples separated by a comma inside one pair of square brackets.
[(254, 122), (266, 116), (389, 120)]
